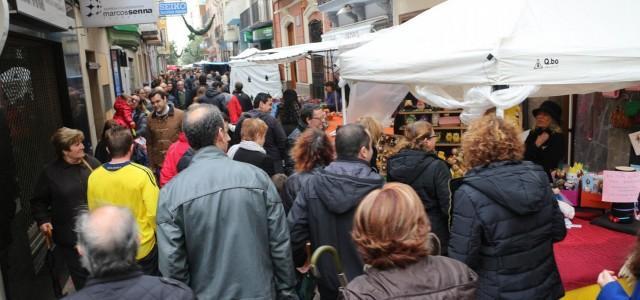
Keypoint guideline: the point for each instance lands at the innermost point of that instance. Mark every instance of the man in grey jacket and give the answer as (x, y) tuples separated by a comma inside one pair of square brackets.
[(221, 225)]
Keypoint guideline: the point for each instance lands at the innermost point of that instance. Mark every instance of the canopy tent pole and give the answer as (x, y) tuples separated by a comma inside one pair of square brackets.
[(344, 105)]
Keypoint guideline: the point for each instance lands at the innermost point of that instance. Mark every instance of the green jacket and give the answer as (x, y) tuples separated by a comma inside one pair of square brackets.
[(222, 230)]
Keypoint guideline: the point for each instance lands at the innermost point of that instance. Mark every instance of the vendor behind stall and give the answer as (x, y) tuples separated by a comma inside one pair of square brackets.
[(545, 144)]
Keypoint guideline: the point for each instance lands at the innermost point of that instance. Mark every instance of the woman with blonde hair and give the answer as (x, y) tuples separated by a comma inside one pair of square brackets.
[(505, 218), (61, 193), (399, 259), (376, 131), (417, 165), (250, 149)]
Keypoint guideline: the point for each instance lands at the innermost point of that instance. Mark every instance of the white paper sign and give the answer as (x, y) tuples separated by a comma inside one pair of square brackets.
[(104, 13), (635, 142), (622, 187), (52, 12)]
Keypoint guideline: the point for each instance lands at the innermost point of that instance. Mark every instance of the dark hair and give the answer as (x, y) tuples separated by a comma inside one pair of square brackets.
[(201, 124), (108, 124), (119, 141), (157, 92), (156, 82), (260, 97), (216, 84), (312, 148), (330, 84), (288, 114), (349, 139), (307, 112), (202, 79), (238, 86)]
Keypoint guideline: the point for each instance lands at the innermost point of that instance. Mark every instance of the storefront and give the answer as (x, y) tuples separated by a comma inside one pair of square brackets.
[(40, 90)]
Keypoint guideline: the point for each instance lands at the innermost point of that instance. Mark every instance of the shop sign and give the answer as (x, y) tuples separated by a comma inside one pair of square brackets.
[(265, 33), (105, 13), (621, 187), (247, 37), (52, 12), (173, 8)]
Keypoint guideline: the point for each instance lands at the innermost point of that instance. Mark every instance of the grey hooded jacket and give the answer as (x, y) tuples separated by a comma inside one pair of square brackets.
[(222, 231)]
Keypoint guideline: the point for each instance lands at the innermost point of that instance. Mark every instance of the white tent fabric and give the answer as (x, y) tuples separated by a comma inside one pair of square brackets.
[(292, 53), (453, 53), (256, 78)]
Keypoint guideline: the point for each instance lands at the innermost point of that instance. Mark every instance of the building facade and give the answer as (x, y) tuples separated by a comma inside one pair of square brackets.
[(298, 22)]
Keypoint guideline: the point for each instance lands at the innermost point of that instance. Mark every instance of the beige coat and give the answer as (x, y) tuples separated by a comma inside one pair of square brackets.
[(163, 131)]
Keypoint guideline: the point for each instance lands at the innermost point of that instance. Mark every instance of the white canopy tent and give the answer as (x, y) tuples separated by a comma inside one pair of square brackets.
[(455, 53), (255, 78)]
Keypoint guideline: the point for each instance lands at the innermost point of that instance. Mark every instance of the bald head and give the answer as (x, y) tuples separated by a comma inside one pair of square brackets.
[(201, 125), (108, 241)]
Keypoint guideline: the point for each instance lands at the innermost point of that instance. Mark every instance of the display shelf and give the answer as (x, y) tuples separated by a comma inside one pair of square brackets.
[(429, 112), (448, 128)]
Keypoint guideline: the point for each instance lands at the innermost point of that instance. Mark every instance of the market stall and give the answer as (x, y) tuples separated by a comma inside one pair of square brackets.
[(476, 55), (256, 78)]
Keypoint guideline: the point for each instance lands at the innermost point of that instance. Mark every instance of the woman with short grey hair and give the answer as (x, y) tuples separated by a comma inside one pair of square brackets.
[(60, 192)]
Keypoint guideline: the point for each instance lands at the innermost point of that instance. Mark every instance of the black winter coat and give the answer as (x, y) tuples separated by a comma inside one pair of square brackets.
[(505, 221), (429, 176), (216, 99), (549, 155), (245, 101), (133, 286), (293, 185), (255, 158), (323, 213), (275, 142), (59, 195)]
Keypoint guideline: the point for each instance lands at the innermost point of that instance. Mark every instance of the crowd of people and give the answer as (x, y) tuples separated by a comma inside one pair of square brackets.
[(198, 192)]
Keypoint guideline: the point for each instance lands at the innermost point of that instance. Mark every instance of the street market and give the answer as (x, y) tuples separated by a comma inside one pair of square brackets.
[(319, 149)]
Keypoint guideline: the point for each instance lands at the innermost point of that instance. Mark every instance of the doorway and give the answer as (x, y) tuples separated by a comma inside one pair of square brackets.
[(317, 61)]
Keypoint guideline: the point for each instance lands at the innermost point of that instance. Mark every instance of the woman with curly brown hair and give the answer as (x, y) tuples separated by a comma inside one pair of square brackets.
[(417, 165), (312, 150), (399, 259), (504, 216)]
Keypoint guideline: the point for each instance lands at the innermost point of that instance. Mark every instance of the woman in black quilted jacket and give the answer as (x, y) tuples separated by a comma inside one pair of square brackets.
[(417, 165), (505, 218)]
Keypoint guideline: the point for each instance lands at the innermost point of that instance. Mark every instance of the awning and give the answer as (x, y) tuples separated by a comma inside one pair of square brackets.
[(292, 53), (354, 30), (126, 36)]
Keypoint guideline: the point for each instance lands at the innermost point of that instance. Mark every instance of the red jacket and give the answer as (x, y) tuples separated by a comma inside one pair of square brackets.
[(174, 154), (124, 112), (235, 109)]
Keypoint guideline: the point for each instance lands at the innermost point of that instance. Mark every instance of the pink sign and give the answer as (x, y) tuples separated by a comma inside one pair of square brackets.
[(621, 187)]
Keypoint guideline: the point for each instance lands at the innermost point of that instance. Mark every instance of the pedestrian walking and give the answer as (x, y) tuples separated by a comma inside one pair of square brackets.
[(416, 163), (288, 111), (312, 151), (276, 140), (323, 210), (505, 217), (174, 154), (165, 125), (403, 264), (245, 100), (60, 193), (108, 240), (221, 225), (250, 148), (124, 183)]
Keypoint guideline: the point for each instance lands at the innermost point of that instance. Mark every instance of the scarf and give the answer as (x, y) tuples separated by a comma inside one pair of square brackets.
[(247, 145)]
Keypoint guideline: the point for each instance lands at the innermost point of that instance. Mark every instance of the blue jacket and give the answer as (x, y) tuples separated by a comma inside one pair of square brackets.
[(614, 291)]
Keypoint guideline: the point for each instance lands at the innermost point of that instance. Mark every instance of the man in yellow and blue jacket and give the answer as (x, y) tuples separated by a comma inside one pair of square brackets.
[(124, 183)]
